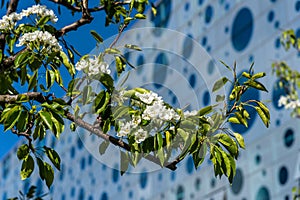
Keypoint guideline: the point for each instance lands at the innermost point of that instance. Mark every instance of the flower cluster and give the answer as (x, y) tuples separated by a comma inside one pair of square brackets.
[(288, 102), (45, 39), (7, 23), (40, 11), (92, 66), (154, 110)]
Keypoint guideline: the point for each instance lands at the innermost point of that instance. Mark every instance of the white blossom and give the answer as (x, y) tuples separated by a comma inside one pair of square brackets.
[(45, 39), (159, 111), (40, 11), (148, 98), (8, 22), (190, 113), (140, 135), (288, 102), (92, 66), (125, 129)]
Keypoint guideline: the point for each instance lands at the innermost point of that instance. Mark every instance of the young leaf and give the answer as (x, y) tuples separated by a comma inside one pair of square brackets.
[(46, 117), (86, 94), (205, 110), (256, 85), (65, 60), (23, 152), (12, 118), (239, 138), (103, 146), (220, 83), (27, 167), (49, 174), (97, 37), (53, 157), (263, 116), (132, 46)]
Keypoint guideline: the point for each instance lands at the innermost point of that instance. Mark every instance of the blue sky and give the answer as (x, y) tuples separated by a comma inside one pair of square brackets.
[(80, 39)]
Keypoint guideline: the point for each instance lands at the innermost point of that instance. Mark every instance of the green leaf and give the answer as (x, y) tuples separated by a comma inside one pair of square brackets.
[(46, 117), (247, 75), (86, 94), (263, 116), (27, 167), (33, 80), (107, 81), (226, 165), (112, 51), (101, 101), (41, 168), (22, 98), (50, 78), (241, 118), (49, 174), (120, 65), (206, 110), (97, 37), (259, 75), (220, 83), (239, 138), (220, 98), (234, 120), (199, 155), (23, 152), (124, 159), (73, 126), (53, 157), (132, 46), (140, 16), (31, 191), (223, 63), (12, 118), (65, 60), (103, 146), (43, 20), (228, 143), (21, 59), (256, 85)]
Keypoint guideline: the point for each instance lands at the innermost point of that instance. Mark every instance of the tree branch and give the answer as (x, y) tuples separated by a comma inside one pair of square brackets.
[(6, 98), (37, 96)]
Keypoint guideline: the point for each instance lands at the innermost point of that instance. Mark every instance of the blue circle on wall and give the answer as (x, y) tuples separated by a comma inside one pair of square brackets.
[(289, 138), (263, 194), (206, 98), (162, 18), (192, 80), (209, 12), (297, 6), (242, 29), (250, 94), (200, 2), (190, 165), (271, 16), (143, 180), (238, 181), (283, 175)]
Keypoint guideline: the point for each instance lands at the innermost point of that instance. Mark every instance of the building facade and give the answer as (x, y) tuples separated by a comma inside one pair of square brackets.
[(185, 52)]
